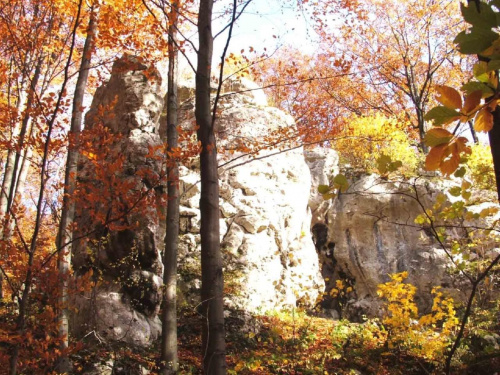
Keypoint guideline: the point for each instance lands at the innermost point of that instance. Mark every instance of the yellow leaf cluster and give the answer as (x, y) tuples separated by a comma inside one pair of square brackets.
[(427, 336), (480, 164), (366, 139)]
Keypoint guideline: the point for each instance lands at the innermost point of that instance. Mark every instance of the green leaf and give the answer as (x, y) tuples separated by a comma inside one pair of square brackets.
[(455, 191), (323, 189), (460, 172), (441, 115), (437, 136), (485, 18), (382, 162), (384, 159), (382, 169), (329, 196), (395, 165), (475, 41), (340, 181), (477, 86), (494, 65), (385, 164), (480, 70)]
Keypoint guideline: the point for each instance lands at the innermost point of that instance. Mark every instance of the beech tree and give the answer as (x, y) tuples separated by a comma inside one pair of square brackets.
[(212, 304), (169, 356), (481, 104), (32, 248), (394, 54)]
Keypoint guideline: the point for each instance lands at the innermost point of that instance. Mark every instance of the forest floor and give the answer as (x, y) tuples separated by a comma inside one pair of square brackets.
[(295, 343)]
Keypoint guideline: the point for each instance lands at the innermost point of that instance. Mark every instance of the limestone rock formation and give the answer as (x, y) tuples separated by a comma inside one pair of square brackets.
[(368, 233), (282, 244), (123, 246), (270, 259)]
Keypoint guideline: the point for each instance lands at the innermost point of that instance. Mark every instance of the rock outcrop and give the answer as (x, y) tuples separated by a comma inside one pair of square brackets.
[(270, 259), (120, 189), (369, 233), (283, 246)]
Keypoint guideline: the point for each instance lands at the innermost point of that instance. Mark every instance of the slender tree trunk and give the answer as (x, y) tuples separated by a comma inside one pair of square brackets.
[(421, 130), (169, 358), (9, 162), (494, 136), (10, 179), (22, 134), (212, 307), (20, 181), (65, 234), (473, 132)]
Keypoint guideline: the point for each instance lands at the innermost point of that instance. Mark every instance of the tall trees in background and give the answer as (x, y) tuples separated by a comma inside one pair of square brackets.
[(33, 246), (382, 56), (45, 45), (27, 71)]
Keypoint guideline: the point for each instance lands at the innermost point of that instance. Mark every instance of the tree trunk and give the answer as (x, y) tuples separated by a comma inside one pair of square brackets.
[(473, 132), (212, 307), (421, 131), (170, 364), (10, 179), (22, 134), (494, 136), (65, 234)]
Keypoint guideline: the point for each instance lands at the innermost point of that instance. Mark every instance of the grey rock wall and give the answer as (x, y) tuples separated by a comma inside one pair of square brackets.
[(270, 259), (125, 256)]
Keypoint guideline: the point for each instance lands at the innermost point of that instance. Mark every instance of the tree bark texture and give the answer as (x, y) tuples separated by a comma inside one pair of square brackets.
[(212, 306), (169, 359)]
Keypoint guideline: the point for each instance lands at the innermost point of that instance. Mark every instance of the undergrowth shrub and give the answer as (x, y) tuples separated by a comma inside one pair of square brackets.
[(427, 336)]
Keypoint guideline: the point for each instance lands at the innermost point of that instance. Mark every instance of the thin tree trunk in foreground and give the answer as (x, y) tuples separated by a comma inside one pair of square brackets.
[(212, 306), (11, 176), (169, 358), (28, 281), (65, 234), (22, 134), (494, 137)]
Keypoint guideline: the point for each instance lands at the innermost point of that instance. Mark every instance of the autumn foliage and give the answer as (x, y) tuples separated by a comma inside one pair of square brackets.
[(396, 87)]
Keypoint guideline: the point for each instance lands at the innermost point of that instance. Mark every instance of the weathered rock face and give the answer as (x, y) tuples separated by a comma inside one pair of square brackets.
[(270, 259), (367, 234), (124, 254)]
